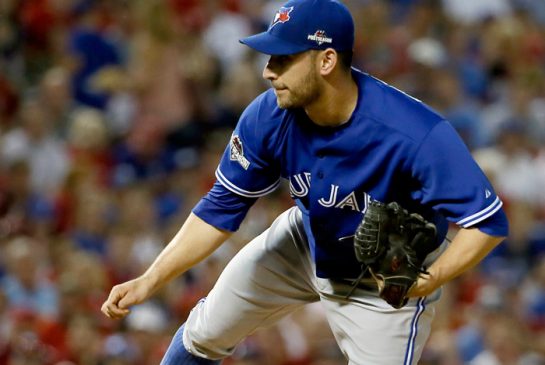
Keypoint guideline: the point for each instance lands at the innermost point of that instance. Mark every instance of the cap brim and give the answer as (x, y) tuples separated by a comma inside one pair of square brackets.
[(271, 45)]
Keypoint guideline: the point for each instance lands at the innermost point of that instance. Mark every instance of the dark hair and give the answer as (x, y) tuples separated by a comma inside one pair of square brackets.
[(345, 58)]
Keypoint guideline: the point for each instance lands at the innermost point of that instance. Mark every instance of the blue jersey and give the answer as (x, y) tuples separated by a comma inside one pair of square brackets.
[(393, 148)]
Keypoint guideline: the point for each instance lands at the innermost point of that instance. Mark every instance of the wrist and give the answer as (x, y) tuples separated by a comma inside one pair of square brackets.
[(424, 286), (151, 279)]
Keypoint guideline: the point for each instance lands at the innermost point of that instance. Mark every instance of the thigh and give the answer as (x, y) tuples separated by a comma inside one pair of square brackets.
[(370, 331), (269, 278)]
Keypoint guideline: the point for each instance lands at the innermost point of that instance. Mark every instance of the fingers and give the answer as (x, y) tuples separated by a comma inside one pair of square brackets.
[(125, 302), (123, 296), (111, 307)]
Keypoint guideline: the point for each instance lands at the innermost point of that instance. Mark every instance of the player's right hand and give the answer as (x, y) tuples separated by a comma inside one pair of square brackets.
[(125, 295)]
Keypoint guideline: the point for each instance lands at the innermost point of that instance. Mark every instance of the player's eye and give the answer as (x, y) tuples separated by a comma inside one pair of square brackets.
[(280, 61)]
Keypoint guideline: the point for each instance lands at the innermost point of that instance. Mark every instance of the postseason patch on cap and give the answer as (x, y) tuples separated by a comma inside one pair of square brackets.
[(237, 152), (319, 37), (281, 16)]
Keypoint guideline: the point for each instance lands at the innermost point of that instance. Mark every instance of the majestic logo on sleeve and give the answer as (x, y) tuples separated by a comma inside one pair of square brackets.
[(281, 16), (320, 37), (237, 152)]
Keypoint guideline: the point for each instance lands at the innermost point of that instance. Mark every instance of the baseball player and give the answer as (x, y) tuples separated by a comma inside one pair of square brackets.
[(345, 141)]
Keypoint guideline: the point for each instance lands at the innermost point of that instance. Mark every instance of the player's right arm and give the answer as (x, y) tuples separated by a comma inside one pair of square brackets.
[(195, 241), (244, 174)]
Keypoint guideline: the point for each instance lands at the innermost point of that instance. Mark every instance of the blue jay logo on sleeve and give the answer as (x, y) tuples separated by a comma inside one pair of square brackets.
[(237, 152), (281, 16)]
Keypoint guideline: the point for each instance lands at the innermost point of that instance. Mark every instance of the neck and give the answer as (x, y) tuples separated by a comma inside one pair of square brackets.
[(336, 102)]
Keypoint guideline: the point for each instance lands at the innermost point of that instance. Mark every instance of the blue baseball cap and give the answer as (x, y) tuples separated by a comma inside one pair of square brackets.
[(301, 25)]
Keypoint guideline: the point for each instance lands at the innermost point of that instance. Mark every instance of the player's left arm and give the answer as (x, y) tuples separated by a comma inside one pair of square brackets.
[(466, 250), (456, 187)]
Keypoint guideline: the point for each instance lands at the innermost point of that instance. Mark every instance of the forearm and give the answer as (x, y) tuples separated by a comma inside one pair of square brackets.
[(466, 250), (195, 241)]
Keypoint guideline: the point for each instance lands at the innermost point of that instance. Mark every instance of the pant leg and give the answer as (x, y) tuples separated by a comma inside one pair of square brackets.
[(268, 279), (370, 331), (177, 354)]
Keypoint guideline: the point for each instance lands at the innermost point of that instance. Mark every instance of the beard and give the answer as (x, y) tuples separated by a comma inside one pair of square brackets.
[(305, 92)]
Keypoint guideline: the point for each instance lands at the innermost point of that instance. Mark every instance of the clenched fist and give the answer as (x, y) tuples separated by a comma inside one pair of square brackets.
[(125, 295)]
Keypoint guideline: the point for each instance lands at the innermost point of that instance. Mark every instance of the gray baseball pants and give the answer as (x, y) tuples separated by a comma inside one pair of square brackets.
[(274, 275)]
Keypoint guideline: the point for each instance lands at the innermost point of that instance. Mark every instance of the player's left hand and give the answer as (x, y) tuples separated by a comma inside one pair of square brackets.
[(392, 244)]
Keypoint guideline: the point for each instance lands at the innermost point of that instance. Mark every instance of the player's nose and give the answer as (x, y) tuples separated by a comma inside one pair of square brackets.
[(269, 74)]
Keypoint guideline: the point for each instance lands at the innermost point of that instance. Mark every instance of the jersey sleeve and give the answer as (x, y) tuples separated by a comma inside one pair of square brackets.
[(453, 184), (245, 171), (222, 208), (247, 166)]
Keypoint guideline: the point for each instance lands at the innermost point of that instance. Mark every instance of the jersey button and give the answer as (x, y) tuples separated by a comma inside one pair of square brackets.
[(320, 175)]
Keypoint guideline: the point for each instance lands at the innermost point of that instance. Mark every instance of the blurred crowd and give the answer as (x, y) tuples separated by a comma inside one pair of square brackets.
[(113, 116)]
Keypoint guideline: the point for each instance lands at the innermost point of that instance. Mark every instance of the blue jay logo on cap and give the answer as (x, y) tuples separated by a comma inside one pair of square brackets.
[(320, 37), (281, 16)]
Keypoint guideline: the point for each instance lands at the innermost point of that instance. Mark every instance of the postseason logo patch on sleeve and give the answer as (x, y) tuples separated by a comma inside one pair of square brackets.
[(237, 152)]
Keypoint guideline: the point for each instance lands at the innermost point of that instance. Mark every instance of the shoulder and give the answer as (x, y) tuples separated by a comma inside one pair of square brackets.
[(263, 118), (395, 110)]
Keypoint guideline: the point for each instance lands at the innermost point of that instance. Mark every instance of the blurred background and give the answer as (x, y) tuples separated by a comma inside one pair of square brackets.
[(113, 116)]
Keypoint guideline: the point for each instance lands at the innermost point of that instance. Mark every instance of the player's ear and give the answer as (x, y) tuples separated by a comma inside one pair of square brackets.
[(328, 59)]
